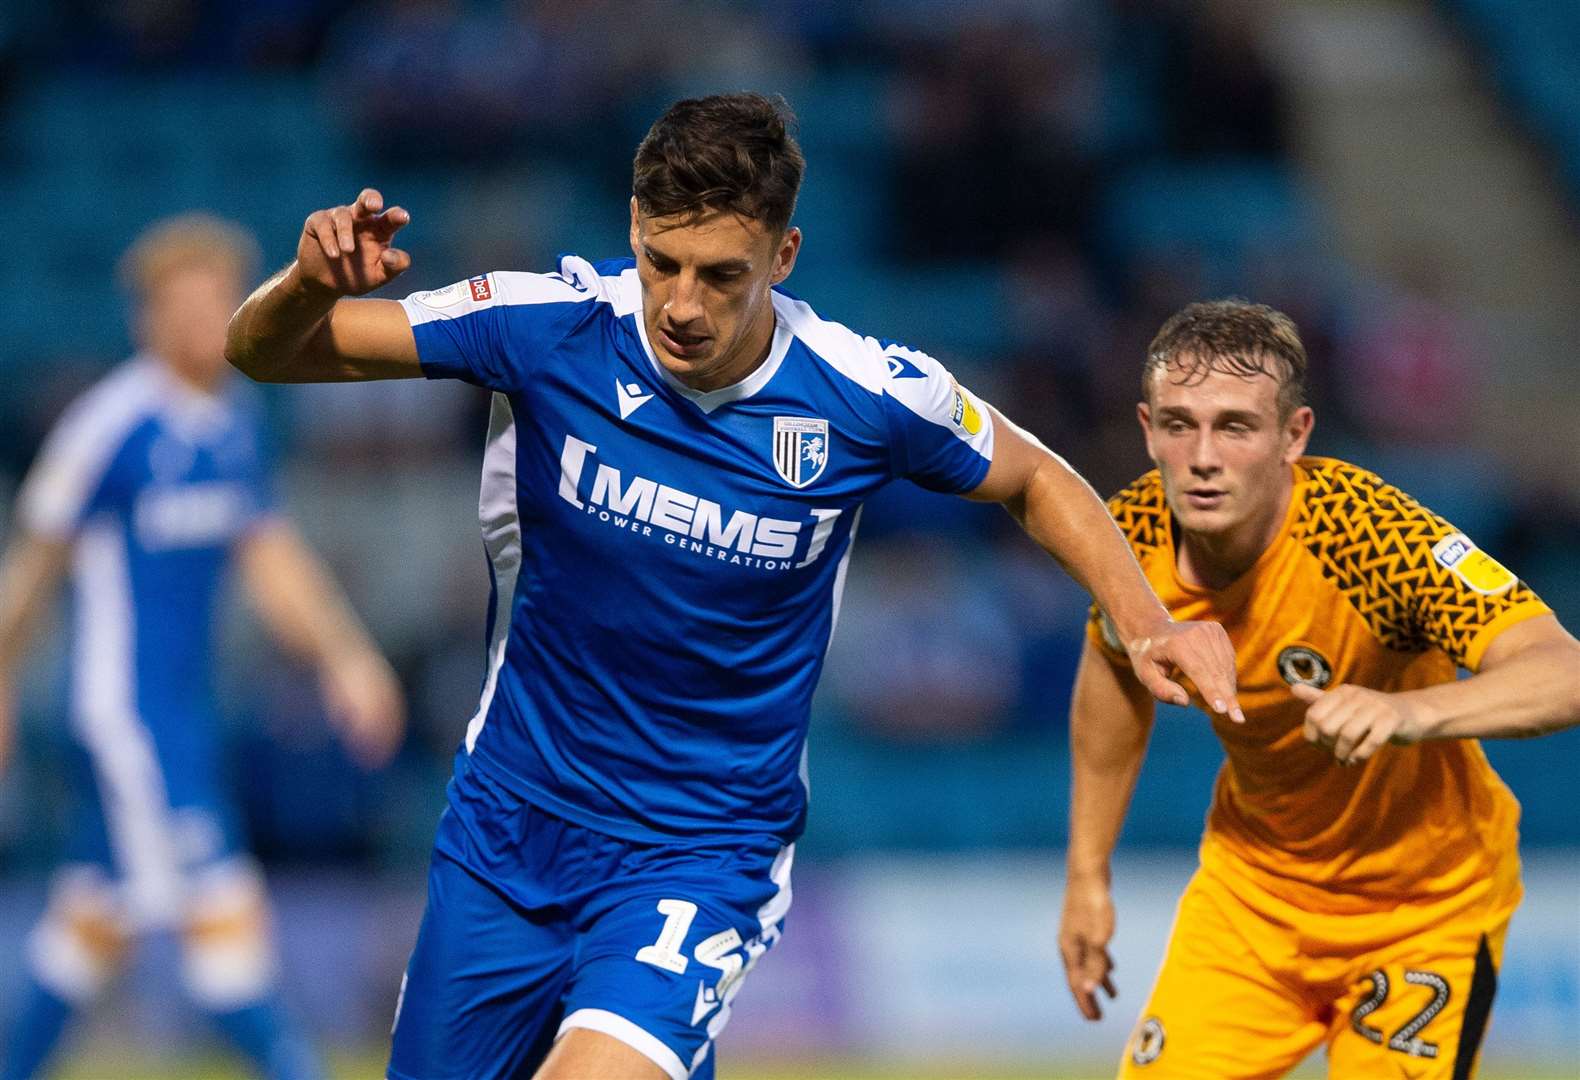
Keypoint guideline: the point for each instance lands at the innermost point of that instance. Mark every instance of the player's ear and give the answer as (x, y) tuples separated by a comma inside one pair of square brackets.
[(1144, 415), (636, 231), (785, 256), (1297, 433)]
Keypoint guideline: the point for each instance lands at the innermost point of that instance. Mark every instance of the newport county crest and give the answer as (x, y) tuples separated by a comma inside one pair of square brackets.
[(1303, 665), (800, 449), (1147, 1046)]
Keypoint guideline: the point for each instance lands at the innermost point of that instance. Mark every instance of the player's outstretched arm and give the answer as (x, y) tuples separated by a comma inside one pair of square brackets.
[(301, 326), (305, 610), (29, 575), (1063, 514), (1528, 684), (1110, 719)]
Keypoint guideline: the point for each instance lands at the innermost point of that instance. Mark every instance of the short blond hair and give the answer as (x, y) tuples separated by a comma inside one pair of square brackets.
[(185, 241)]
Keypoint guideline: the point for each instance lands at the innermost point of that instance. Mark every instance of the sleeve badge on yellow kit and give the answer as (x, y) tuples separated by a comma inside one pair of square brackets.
[(965, 414), (1473, 566)]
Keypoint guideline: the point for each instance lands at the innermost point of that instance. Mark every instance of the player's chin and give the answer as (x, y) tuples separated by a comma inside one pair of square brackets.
[(1205, 521), (691, 365)]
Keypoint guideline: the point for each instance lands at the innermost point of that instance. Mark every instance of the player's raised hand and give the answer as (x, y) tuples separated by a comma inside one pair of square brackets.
[(1355, 722), (1202, 652), (1085, 930), (366, 706), (347, 249)]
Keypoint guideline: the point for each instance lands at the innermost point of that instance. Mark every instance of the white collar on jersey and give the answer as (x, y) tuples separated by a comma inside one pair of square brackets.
[(708, 400), (197, 415)]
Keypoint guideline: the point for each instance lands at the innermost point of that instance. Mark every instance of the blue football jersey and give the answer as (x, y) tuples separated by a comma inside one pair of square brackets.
[(152, 482), (667, 563)]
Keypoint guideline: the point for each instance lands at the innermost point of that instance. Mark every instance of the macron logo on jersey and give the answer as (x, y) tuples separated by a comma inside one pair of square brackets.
[(630, 397), (902, 361), (686, 521)]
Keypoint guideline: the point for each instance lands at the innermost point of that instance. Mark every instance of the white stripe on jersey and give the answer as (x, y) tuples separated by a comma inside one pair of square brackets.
[(803, 770), (857, 358), (132, 789), (82, 445), (577, 282), (865, 362), (501, 527), (625, 293)]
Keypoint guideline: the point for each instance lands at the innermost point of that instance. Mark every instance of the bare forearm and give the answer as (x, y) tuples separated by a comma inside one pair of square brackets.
[(1534, 692), (29, 576), (298, 601), (1110, 722), (1062, 513), (276, 325)]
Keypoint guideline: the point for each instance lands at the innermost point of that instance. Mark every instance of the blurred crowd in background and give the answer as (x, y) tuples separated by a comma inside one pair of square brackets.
[(1026, 192)]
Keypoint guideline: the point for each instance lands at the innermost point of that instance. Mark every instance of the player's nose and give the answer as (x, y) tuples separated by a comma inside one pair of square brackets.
[(685, 300), (1205, 459)]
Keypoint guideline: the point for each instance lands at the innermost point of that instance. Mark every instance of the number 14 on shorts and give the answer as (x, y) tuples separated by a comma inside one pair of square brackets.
[(717, 951)]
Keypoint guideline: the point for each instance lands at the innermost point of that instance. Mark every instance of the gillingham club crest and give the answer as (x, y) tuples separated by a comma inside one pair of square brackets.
[(800, 449)]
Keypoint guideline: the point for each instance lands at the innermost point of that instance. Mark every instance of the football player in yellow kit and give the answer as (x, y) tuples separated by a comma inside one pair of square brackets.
[(1359, 866)]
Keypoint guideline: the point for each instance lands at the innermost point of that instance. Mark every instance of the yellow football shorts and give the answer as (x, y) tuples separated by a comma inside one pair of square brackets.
[(1242, 997)]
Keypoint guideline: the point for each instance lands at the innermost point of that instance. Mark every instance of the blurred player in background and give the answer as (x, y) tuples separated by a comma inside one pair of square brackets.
[(676, 462), (1359, 867), (148, 489)]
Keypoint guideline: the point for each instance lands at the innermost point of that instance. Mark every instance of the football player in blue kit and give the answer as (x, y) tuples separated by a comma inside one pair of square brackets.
[(146, 492), (675, 467)]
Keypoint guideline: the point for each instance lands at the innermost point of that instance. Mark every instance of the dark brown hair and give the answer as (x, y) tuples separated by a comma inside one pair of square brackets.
[(1232, 337), (727, 152)]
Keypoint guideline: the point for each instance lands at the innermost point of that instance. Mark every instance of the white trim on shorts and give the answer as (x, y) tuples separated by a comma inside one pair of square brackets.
[(639, 1039)]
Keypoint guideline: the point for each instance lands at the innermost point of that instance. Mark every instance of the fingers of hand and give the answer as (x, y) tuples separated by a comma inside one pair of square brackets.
[(1370, 745), (1324, 721), (1225, 651), (1354, 731), (1159, 685), (1218, 660), (1343, 721), (343, 223), (394, 261), (1305, 692), (392, 221), (319, 227), (1203, 652), (368, 203), (1095, 973), (1074, 953)]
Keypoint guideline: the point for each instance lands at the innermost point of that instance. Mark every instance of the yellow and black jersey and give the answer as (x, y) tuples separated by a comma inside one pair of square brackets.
[(1362, 585)]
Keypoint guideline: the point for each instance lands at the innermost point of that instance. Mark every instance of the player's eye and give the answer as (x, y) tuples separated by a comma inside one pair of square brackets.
[(1176, 427), (659, 263)]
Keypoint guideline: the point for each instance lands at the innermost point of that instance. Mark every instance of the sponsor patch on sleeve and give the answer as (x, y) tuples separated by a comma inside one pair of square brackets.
[(441, 298), (965, 414), (1473, 566)]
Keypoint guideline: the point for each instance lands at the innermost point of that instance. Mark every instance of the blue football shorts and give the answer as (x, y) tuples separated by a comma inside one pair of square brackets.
[(154, 835), (535, 926)]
